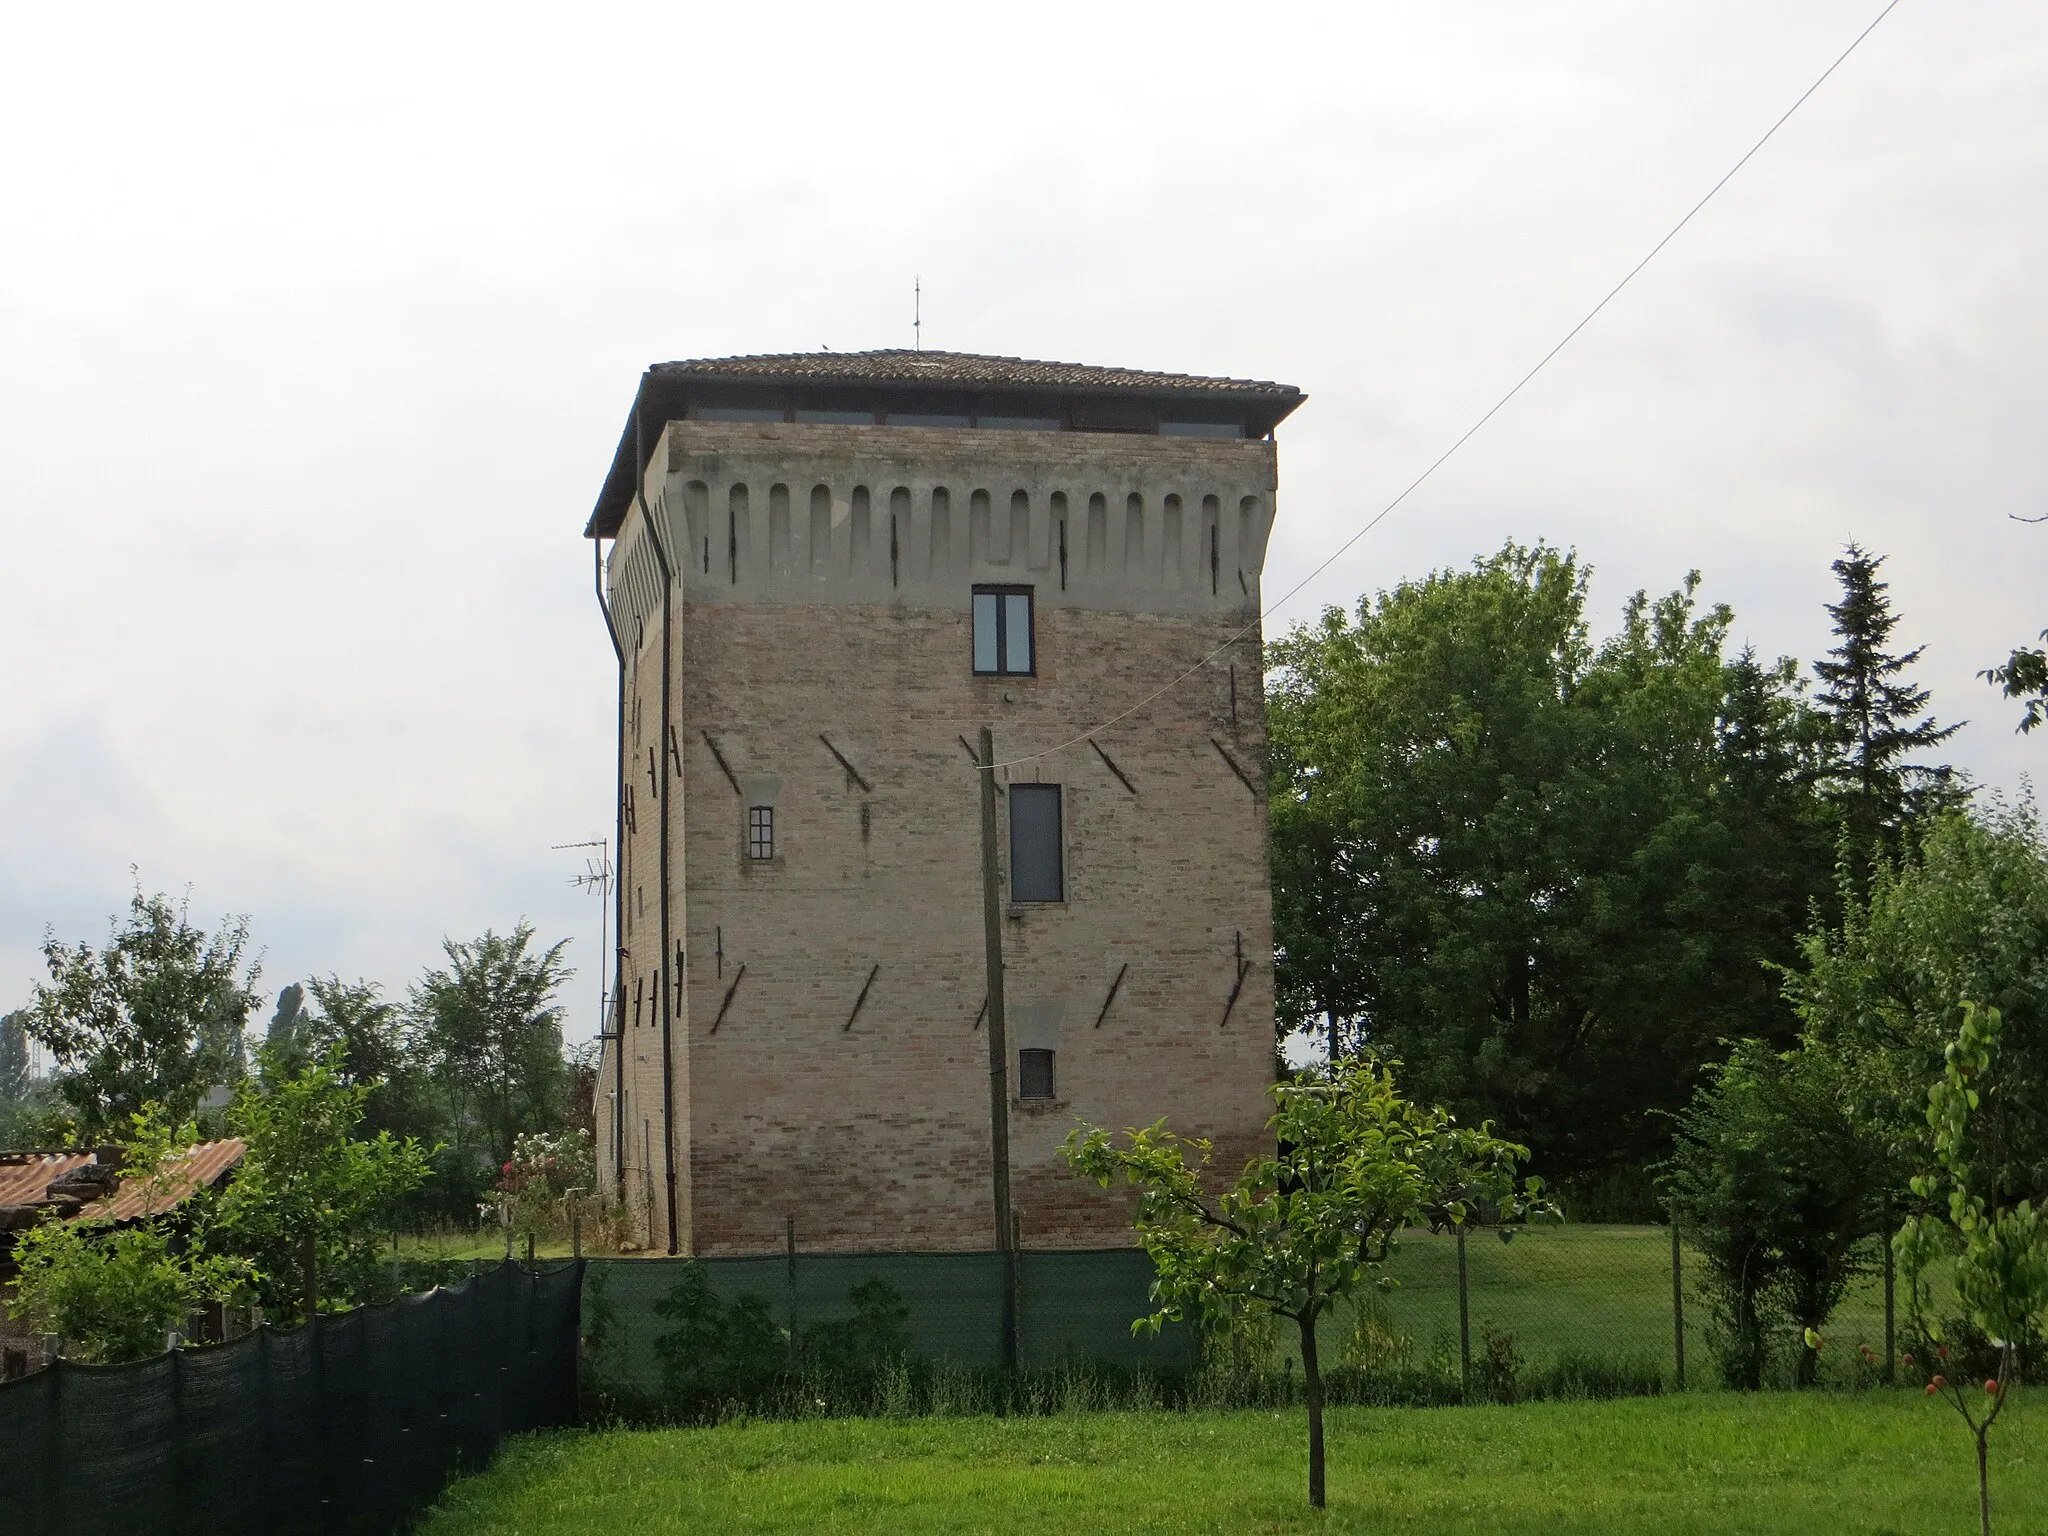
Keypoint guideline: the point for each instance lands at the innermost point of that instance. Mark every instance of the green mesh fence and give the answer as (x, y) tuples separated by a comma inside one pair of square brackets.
[(948, 1307), (350, 1426), (1559, 1306)]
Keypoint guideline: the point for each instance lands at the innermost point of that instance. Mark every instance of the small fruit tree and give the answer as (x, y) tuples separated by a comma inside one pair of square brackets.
[(1315, 1221), (2000, 1252)]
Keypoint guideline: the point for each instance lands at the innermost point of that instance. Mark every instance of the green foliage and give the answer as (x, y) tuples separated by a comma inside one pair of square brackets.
[(2024, 676), (1546, 874), (1874, 717), (1313, 1223), (718, 1355), (309, 1175), (711, 1353), (376, 1049), (1966, 917), (156, 1015), (112, 1293), (2000, 1251), (1776, 1188), (535, 1184), (489, 1033)]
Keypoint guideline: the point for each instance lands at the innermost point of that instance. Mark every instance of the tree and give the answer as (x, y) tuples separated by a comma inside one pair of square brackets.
[(310, 1178), (155, 1016), (2000, 1250), (1315, 1222), (1776, 1189), (1875, 715), (17, 1071), (372, 1036), (491, 1034), (2024, 676), (113, 1293), (1966, 915), (1547, 874)]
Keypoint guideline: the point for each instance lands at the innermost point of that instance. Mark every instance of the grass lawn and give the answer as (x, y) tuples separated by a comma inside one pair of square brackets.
[(1868, 1463), (1603, 1291)]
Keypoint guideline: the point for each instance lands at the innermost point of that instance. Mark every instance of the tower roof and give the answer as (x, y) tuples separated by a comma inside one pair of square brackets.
[(934, 388)]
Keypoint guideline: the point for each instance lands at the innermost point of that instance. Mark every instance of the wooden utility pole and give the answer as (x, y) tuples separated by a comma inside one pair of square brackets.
[(998, 1040)]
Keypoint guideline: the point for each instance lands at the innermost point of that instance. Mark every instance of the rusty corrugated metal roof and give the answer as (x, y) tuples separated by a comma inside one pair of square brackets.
[(26, 1182), (23, 1179)]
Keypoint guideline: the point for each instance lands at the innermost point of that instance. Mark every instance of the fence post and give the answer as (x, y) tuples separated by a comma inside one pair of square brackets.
[(1677, 1302), (1016, 1278), (53, 1465), (174, 1346), (1464, 1321), (789, 1250)]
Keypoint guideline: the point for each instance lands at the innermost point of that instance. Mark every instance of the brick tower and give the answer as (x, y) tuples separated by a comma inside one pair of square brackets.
[(826, 573)]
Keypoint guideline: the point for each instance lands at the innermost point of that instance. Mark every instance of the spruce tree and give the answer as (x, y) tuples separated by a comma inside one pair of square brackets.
[(1875, 712)]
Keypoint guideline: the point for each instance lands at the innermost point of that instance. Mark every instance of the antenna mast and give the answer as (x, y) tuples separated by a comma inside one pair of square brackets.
[(597, 875), (917, 313)]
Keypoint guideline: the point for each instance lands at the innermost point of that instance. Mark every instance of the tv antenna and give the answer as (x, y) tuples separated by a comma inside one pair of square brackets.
[(597, 876), (916, 313)]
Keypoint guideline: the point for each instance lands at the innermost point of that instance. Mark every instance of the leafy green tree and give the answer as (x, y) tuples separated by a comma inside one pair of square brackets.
[(1776, 1188), (1547, 874), (2000, 1250), (372, 1036), (310, 1177), (1965, 916), (2024, 676), (113, 1293), (1312, 1224), (490, 1033), (1876, 716), (155, 1015)]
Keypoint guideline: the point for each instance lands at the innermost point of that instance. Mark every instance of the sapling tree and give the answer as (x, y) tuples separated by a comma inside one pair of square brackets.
[(311, 1179), (1312, 1223), (2000, 1251)]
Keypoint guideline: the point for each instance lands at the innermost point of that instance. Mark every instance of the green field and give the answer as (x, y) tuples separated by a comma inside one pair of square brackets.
[(1601, 1291), (1819, 1462)]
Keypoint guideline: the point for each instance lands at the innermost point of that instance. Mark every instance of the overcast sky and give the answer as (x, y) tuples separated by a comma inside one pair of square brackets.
[(316, 336)]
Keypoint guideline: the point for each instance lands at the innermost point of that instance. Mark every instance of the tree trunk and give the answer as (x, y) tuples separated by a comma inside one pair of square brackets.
[(1983, 1481), (1312, 1384)]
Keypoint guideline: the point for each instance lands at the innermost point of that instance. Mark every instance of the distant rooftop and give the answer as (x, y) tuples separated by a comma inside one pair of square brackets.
[(931, 389)]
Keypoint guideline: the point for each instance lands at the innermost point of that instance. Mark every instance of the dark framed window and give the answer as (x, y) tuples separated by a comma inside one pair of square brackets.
[(1037, 872), (1034, 1075), (760, 831), (1002, 632)]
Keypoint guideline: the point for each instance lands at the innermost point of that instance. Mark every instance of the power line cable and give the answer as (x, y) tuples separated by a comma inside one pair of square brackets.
[(1378, 517)]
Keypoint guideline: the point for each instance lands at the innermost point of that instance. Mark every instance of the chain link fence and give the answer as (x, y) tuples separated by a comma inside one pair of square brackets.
[(351, 1425)]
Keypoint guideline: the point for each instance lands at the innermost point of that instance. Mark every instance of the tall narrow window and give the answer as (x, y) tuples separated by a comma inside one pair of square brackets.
[(1034, 1075), (761, 832), (1036, 869), (1002, 631)]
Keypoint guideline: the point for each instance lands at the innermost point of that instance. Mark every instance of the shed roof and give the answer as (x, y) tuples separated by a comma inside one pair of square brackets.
[(25, 1178)]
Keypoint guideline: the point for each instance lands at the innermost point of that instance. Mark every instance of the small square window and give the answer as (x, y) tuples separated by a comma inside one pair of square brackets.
[(1002, 631), (1034, 1075), (761, 832), (1036, 872)]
